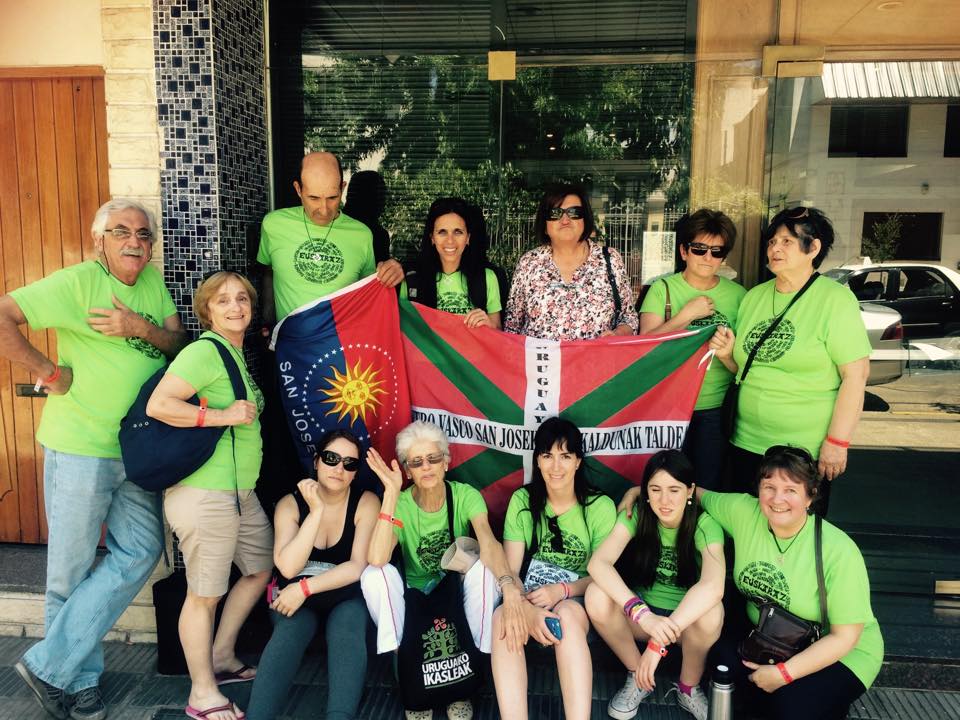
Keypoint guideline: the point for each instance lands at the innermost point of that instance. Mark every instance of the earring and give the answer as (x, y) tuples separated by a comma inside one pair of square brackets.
[(689, 501)]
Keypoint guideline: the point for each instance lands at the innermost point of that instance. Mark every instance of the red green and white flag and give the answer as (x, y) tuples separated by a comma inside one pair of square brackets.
[(630, 396)]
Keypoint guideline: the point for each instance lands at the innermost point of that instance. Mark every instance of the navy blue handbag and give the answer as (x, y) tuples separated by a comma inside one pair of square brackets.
[(156, 455)]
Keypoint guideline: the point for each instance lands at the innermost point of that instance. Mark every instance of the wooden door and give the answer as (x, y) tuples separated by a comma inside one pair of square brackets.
[(53, 177)]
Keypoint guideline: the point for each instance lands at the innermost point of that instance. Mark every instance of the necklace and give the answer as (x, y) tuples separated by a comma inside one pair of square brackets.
[(329, 227), (782, 550)]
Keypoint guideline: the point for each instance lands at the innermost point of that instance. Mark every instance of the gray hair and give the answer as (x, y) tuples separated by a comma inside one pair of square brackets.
[(99, 226), (420, 431)]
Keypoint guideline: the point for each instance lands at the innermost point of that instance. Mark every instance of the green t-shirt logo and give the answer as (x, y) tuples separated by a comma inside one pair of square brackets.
[(775, 346), (318, 261), (667, 566), (766, 581), (431, 549), (454, 303), (573, 556), (141, 345), (717, 318)]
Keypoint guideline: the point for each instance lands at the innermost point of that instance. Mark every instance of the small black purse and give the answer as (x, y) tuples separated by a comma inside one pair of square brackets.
[(779, 634), (728, 410)]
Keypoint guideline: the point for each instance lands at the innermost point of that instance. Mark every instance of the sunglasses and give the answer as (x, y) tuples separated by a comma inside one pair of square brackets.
[(329, 457), (122, 233), (433, 459), (556, 537), (575, 212), (701, 250)]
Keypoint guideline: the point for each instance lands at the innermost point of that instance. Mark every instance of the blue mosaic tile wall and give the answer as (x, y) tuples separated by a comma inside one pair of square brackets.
[(210, 107)]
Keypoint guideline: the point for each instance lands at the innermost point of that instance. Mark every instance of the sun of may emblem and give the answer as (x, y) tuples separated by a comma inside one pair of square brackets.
[(355, 392)]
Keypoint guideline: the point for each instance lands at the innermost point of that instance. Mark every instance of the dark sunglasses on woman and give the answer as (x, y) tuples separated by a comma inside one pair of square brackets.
[(328, 457), (556, 537), (574, 212), (718, 251)]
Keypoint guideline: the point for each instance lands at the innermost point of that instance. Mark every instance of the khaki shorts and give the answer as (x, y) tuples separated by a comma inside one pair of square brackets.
[(212, 535)]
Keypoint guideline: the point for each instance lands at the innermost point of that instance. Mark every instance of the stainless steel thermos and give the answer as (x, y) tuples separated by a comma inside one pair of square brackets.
[(721, 694)]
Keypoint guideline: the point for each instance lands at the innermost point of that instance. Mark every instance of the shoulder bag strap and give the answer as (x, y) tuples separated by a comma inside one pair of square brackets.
[(449, 491), (773, 326), (821, 584), (613, 287), (667, 306)]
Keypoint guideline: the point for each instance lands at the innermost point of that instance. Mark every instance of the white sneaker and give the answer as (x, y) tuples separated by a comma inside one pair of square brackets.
[(418, 714), (695, 703), (624, 705), (460, 710)]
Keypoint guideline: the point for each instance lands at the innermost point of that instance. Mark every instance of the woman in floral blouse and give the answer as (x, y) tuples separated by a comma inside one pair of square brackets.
[(564, 289)]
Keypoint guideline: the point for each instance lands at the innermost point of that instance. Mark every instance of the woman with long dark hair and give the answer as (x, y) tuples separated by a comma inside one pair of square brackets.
[(658, 578), (451, 272), (553, 525)]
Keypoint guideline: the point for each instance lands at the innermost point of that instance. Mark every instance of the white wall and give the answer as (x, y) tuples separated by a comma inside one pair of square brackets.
[(50, 32)]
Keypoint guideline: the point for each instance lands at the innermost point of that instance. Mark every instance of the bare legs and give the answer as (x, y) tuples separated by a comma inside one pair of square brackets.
[(573, 664), (204, 653)]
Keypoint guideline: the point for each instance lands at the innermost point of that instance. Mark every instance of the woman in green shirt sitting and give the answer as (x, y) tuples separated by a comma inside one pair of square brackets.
[(552, 527), (658, 579), (451, 271)]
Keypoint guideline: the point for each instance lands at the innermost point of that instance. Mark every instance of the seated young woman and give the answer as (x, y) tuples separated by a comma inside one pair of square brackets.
[(552, 527), (322, 534), (658, 578)]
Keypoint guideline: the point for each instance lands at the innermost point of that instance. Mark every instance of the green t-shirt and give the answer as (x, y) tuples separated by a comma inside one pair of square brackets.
[(200, 365), (107, 371), (583, 530), (791, 388), (425, 535), (310, 261), (793, 585), (726, 298), (453, 297), (665, 593)]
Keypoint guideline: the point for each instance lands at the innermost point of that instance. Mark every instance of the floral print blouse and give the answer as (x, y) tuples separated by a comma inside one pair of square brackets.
[(541, 305)]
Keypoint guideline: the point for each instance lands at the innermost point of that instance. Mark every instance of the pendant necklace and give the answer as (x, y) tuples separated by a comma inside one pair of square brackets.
[(783, 550)]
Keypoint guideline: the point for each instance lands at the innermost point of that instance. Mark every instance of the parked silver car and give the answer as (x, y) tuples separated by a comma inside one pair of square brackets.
[(885, 330)]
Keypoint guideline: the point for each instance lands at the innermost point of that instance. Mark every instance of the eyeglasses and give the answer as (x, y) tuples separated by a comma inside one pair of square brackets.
[(433, 459), (717, 251), (574, 212), (122, 233), (556, 537), (329, 457)]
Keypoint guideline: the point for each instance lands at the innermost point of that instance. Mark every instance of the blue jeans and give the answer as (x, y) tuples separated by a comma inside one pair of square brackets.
[(83, 602)]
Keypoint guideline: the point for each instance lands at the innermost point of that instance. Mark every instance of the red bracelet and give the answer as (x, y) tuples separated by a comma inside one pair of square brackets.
[(391, 519), (201, 416), (659, 649), (305, 588), (783, 671), (53, 378), (838, 443)]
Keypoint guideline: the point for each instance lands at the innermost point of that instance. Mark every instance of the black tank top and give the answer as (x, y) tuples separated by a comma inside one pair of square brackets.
[(340, 551)]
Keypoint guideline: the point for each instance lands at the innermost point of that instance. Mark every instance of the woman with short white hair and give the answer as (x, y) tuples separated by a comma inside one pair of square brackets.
[(420, 520)]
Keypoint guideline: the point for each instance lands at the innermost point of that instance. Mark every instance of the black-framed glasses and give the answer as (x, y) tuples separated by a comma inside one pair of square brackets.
[(574, 212), (123, 233), (701, 249), (556, 537), (432, 458), (332, 459)]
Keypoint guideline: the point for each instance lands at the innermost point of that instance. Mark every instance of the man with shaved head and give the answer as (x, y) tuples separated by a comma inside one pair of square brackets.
[(315, 249)]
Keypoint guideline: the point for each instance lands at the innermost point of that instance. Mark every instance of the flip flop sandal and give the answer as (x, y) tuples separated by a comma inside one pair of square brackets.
[(229, 677), (192, 712)]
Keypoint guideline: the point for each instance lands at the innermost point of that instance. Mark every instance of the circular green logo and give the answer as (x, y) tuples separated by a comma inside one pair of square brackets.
[(775, 346), (141, 345), (573, 556), (717, 318), (454, 303), (431, 549), (766, 581), (318, 261)]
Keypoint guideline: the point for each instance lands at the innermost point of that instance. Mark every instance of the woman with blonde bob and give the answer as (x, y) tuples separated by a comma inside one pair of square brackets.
[(417, 520), (215, 512)]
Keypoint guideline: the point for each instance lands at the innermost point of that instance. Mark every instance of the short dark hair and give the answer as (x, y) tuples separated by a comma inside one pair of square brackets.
[(794, 462), (806, 224), (706, 222), (553, 197), (327, 439)]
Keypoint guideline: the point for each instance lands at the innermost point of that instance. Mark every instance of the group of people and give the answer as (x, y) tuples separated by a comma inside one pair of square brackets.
[(570, 564)]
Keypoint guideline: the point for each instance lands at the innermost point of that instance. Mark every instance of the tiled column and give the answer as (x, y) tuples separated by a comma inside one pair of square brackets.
[(211, 108)]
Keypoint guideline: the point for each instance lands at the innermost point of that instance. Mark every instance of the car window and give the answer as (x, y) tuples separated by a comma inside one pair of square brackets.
[(869, 285), (921, 283)]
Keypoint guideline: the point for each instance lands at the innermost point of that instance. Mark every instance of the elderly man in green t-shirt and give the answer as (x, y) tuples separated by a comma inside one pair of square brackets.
[(115, 322)]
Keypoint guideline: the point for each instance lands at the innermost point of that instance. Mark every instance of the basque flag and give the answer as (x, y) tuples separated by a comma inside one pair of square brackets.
[(341, 365), (630, 396)]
